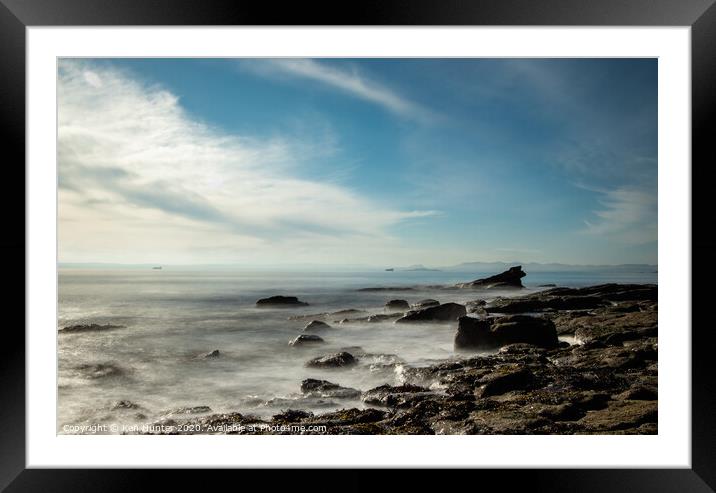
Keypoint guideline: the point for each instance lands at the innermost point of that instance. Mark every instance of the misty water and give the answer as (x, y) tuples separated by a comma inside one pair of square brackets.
[(173, 317)]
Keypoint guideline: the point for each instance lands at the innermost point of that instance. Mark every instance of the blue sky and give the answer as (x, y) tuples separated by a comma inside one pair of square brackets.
[(358, 161)]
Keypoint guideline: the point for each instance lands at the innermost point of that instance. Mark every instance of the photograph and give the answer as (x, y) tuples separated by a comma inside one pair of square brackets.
[(357, 246)]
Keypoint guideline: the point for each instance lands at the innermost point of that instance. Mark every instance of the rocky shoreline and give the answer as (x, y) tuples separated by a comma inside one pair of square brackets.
[(605, 382)]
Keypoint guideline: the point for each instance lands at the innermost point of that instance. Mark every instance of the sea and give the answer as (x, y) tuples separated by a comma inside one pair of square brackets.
[(154, 367)]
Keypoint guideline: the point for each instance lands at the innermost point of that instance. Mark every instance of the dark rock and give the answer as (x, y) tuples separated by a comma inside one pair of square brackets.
[(89, 328), (493, 333), (502, 381), (476, 306), (388, 395), (447, 312), (190, 410), (638, 393), (349, 417), (333, 315), (383, 317), (324, 388), (124, 404), (332, 360), (292, 415), (213, 354), (281, 301), (546, 303), (316, 325), (547, 286), (397, 305), (100, 370), (375, 318), (613, 334), (521, 348), (611, 292), (425, 304), (304, 339), (511, 278)]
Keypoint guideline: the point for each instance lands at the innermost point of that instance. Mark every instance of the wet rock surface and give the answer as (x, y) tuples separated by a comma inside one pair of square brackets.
[(397, 305), (425, 304), (335, 360), (324, 388), (73, 329), (447, 312), (316, 326), (511, 278), (305, 339), (280, 301)]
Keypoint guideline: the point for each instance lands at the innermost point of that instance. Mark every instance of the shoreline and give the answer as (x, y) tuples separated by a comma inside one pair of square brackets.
[(604, 384)]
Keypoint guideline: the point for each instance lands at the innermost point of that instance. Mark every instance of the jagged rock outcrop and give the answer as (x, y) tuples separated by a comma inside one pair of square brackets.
[(510, 279), (447, 312)]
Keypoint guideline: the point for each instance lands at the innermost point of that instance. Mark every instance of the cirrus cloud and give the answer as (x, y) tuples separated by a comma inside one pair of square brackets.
[(139, 175)]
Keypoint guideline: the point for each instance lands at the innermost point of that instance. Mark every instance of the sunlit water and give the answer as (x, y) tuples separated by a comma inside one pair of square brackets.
[(172, 317)]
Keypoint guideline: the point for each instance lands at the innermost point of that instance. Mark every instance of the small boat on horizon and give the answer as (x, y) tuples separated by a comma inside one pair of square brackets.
[(389, 270)]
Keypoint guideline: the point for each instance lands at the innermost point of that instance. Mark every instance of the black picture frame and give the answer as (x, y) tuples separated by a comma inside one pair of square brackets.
[(16, 15)]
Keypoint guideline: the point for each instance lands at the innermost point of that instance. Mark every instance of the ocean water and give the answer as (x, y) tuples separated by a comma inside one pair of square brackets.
[(173, 317)]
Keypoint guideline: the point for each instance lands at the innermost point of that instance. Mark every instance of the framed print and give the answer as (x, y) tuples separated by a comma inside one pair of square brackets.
[(425, 237)]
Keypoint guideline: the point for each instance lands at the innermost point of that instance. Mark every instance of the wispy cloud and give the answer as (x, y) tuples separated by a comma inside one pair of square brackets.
[(628, 215), (138, 173), (353, 83)]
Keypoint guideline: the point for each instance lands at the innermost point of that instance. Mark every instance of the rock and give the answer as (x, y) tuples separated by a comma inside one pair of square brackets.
[(324, 388), (280, 301), (613, 334), (474, 333), (304, 339), (619, 415), (124, 404), (521, 348), (213, 354), (332, 360), (590, 298), (100, 370), (89, 328), (447, 312), (379, 289), (383, 317), (189, 410), (490, 333), (637, 393), (388, 395), (397, 305), (348, 417), (316, 325), (547, 286), (425, 304), (511, 278), (476, 306), (324, 315), (502, 381), (292, 415)]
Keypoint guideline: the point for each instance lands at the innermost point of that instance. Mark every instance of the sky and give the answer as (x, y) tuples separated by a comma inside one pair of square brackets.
[(380, 162)]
